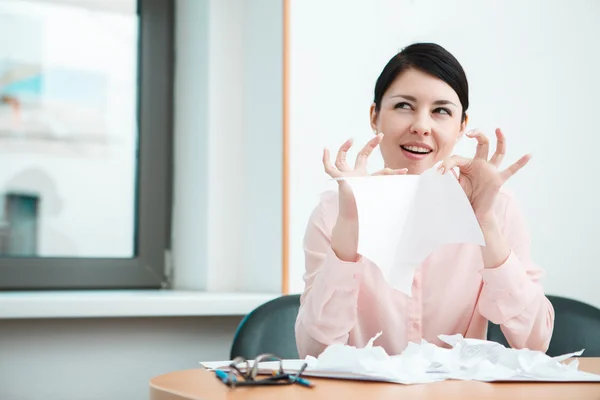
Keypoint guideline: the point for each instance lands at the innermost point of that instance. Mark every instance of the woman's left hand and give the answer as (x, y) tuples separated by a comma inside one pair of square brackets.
[(479, 177)]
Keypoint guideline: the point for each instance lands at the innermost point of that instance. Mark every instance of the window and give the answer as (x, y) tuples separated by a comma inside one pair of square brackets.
[(85, 143)]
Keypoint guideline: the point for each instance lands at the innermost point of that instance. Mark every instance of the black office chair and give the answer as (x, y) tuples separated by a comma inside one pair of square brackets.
[(268, 329), (576, 327)]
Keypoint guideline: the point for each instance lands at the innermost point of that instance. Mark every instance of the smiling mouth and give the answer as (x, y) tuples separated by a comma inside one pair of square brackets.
[(416, 149)]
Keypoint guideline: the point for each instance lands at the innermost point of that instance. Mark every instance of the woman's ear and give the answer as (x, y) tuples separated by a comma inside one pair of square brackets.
[(373, 115), (463, 127)]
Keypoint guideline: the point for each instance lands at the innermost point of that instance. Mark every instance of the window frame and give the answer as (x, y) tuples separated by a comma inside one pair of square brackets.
[(147, 268)]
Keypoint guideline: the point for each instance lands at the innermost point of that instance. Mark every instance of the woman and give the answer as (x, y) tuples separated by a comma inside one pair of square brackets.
[(418, 115)]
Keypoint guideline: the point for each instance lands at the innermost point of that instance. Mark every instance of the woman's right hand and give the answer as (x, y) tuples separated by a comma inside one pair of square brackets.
[(344, 240)]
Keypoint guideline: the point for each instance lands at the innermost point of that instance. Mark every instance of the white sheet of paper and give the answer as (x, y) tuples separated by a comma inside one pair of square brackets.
[(467, 359), (404, 218)]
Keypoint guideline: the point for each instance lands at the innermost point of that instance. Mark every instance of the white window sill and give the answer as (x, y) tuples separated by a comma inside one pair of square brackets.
[(127, 303)]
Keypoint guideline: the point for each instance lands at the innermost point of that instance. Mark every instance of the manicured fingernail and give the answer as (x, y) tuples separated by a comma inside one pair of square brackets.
[(442, 170)]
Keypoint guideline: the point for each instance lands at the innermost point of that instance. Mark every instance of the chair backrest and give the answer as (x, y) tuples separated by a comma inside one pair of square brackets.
[(576, 327), (268, 329)]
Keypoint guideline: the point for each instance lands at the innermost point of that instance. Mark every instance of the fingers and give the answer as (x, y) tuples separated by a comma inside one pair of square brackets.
[(455, 161), (341, 166), (483, 144), (513, 169), (340, 160), (498, 156), (389, 171), (329, 168), (363, 155)]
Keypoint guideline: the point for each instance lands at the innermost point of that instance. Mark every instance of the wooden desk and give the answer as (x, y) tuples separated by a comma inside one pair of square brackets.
[(199, 384)]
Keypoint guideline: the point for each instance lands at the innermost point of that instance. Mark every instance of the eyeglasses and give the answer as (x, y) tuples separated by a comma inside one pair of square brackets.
[(240, 373)]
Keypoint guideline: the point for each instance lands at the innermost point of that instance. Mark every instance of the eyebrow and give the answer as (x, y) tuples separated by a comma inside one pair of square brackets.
[(413, 98)]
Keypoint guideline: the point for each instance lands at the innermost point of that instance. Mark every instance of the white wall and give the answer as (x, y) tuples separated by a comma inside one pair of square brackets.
[(226, 136), (190, 175), (262, 179), (98, 359), (228, 186), (532, 68)]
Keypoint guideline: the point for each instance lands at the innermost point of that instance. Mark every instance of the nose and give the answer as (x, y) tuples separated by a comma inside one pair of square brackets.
[(421, 125)]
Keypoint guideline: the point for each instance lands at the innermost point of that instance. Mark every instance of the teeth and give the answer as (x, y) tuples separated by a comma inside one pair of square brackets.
[(417, 149)]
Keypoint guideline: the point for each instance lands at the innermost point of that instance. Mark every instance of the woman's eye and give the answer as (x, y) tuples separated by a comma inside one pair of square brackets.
[(442, 111), (403, 105)]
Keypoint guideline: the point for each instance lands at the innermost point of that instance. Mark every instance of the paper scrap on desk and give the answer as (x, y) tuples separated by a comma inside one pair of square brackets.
[(404, 218), (467, 359)]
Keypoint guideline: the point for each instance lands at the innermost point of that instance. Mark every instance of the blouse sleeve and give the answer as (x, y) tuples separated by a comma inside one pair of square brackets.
[(512, 295), (328, 305)]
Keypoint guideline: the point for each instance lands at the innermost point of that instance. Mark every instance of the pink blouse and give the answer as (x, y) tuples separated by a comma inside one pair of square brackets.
[(350, 302)]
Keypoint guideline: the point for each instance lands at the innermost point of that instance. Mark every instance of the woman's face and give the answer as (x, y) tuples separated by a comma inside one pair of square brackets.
[(420, 117)]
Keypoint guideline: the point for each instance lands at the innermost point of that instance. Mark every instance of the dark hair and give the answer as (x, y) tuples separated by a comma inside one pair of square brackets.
[(430, 58)]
